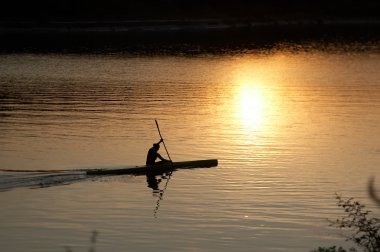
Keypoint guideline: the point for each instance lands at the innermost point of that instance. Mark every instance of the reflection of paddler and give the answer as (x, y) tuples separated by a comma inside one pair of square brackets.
[(153, 154), (153, 182)]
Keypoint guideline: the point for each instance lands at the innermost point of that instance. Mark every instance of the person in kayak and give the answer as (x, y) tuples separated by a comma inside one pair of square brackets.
[(153, 154)]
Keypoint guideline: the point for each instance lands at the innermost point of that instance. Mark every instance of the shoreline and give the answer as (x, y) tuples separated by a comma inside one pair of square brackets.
[(153, 35), (175, 25)]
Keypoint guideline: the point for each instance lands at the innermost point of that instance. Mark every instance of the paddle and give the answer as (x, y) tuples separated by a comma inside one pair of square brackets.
[(159, 132), (170, 174)]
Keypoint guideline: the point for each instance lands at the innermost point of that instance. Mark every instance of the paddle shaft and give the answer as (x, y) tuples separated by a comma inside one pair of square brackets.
[(159, 132), (170, 173)]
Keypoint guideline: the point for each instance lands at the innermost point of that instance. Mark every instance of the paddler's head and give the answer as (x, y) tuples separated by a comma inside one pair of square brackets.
[(156, 146)]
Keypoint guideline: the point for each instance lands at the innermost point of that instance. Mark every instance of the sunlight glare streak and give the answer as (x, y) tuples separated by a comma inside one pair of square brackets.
[(251, 105)]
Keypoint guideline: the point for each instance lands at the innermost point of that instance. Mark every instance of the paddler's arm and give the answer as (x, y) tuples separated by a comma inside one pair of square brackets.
[(160, 157)]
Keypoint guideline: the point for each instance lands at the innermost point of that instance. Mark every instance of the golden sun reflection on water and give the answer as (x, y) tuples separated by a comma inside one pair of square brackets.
[(251, 104)]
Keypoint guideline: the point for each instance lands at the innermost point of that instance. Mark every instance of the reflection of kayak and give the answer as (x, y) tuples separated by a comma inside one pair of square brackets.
[(161, 167)]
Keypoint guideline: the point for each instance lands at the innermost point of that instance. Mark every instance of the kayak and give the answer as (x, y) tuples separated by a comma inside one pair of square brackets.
[(157, 168)]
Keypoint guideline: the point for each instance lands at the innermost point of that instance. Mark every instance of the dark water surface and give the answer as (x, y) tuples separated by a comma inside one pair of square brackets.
[(289, 130)]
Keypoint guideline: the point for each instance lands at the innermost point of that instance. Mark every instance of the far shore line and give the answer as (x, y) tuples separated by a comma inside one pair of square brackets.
[(184, 36), (91, 26)]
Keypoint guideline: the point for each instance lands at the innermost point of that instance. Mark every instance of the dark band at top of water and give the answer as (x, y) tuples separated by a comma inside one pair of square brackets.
[(189, 27)]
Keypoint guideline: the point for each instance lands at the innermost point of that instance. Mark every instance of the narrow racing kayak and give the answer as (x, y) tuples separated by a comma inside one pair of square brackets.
[(158, 168)]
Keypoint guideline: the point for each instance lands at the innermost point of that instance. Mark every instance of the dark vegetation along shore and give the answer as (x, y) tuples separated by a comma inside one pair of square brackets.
[(170, 25)]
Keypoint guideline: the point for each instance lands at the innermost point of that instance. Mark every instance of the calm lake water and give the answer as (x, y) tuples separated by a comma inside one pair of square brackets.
[(290, 129)]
